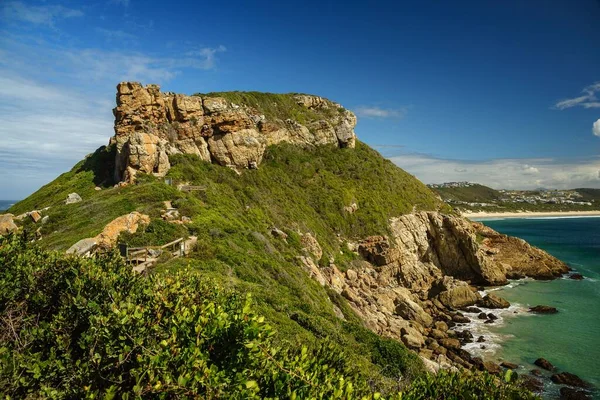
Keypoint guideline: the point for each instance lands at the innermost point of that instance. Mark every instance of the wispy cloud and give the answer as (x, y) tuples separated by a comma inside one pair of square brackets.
[(38, 15), (378, 112), (505, 173), (56, 101), (596, 127), (588, 99)]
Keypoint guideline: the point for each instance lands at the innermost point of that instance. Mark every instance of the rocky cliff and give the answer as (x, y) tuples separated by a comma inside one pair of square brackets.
[(411, 285), (151, 125)]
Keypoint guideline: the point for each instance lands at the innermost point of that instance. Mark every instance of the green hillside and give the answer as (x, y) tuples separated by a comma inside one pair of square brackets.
[(296, 190), (473, 193), (592, 195)]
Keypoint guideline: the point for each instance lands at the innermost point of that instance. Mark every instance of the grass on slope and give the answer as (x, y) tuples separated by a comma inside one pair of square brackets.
[(473, 194), (297, 190), (277, 105)]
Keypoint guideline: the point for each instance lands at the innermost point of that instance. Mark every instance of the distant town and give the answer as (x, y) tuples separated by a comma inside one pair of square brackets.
[(473, 196)]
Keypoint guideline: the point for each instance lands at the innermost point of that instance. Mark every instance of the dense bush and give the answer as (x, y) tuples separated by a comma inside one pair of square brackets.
[(156, 233), (91, 328), (75, 328), (463, 385)]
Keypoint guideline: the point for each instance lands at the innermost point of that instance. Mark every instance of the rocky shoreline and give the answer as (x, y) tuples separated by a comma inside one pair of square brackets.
[(431, 285)]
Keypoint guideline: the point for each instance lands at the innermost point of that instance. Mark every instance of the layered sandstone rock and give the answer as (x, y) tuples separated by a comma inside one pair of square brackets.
[(151, 125), (109, 235), (409, 285)]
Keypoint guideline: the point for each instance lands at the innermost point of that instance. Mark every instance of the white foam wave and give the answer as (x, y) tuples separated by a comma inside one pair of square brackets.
[(492, 340)]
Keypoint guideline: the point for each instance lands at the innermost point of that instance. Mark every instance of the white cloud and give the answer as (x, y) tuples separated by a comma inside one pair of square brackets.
[(529, 170), (589, 99), (378, 112), (596, 127), (38, 15), (505, 173), (47, 127)]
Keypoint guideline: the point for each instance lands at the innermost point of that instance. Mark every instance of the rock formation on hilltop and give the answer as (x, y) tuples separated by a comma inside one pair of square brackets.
[(150, 126)]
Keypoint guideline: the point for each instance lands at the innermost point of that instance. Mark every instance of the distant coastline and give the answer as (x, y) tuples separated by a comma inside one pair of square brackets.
[(530, 214)]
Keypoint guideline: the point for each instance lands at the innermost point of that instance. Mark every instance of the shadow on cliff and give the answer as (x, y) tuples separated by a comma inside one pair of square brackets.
[(102, 164)]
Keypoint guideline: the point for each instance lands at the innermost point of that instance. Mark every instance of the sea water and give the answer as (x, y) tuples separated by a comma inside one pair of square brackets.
[(569, 339), (6, 204)]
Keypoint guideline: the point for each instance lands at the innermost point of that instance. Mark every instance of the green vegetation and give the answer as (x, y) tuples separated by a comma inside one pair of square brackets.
[(297, 190), (91, 328), (589, 194), (474, 193), (157, 232), (475, 197), (277, 106)]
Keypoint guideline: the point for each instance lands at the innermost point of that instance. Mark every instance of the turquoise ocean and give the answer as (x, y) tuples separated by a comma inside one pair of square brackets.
[(570, 339)]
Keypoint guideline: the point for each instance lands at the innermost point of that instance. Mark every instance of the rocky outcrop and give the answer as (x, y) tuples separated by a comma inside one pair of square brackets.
[(151, 125), (409, 285), (566, 378), (7, 225), (109, 235), (519, 258), (73, 198)]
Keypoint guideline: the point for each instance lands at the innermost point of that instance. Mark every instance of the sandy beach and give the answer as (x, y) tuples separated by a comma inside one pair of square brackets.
[(530, 214)]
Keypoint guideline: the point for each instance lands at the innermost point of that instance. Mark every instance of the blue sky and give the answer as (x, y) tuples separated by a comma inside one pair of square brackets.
[(502, 93)]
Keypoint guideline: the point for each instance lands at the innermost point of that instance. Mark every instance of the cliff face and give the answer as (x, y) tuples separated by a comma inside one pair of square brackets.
[(150, 126), (411, 284)]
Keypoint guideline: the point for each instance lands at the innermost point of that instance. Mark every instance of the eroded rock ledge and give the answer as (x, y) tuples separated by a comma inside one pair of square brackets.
[(412, 285), (151, 125)]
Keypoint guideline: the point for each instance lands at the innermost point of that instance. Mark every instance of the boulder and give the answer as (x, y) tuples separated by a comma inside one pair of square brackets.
[(566, 378), (410, 310), (125, 223), (7, 225), (311, 246), (509, 365), (83, 247), (491, 368), (576, 277), (493, 301), (460, 319), (441, 325), (567, 393), (73, 198), (545, 364), (35, 216), (459, 297), (437, 334), (482, 316), (450, 343), (543, 310), (278, 233), (532, 384)]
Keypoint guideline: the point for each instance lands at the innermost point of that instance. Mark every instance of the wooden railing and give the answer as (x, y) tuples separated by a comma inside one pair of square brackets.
[(141, 258)]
